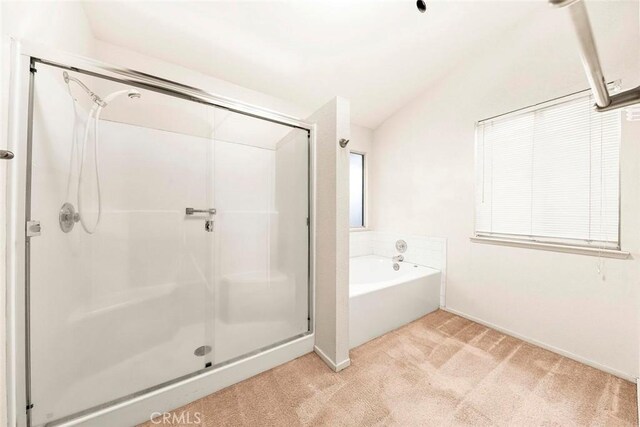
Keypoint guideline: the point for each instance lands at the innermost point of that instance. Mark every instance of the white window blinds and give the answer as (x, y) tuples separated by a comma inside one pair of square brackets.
[(550, 174)]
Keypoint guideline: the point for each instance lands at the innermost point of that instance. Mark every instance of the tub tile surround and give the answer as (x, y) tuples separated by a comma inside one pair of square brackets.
[(422, 250)]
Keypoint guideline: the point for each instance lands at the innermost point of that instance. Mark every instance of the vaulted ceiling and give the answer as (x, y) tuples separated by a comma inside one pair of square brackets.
[(378, 54)]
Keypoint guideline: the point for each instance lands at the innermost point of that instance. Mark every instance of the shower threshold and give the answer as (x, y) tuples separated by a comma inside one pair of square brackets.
[(140, 406)]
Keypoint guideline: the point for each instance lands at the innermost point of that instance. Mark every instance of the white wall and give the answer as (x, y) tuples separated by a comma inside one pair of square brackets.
[(332, 234), (361, 139), (424, 184)]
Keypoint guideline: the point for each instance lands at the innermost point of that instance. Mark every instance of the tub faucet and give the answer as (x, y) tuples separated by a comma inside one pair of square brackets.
[(398, 258)]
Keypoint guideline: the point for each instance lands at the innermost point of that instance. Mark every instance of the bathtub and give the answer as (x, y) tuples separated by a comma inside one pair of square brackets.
[(382, 299)]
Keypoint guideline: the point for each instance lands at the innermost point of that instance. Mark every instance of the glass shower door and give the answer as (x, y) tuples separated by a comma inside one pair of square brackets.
[(261, 182), (122, 301)]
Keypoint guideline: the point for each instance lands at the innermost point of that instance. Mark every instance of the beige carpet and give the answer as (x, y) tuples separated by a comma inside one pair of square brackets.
[(439, 370)]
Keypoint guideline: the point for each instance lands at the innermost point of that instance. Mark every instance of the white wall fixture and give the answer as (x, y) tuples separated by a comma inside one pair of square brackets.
[(332, 234)]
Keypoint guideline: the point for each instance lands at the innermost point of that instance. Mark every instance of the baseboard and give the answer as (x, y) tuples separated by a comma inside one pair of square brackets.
[(638, 396), (337, 367), (557, 350)]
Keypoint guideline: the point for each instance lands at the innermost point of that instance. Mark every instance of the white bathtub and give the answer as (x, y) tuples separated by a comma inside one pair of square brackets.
[(382, 299)]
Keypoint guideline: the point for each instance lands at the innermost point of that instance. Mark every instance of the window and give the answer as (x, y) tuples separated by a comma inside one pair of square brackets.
[(356, 190), (550, 174)]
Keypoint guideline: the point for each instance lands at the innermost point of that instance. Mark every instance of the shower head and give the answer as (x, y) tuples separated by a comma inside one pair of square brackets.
[(95, 98), (131, 93), (421, 5)]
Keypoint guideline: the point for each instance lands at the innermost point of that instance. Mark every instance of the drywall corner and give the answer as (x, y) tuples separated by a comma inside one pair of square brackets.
[(332, 232)]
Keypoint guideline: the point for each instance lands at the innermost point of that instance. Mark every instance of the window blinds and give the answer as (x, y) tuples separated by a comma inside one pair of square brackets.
[(550, 174)]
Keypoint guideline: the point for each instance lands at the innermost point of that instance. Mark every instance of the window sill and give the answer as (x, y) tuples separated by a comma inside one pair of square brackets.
[(358, 229), (605, 253)]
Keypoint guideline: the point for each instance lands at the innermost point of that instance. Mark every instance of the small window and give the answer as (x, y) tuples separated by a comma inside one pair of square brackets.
[(550, 174), (356, 190)]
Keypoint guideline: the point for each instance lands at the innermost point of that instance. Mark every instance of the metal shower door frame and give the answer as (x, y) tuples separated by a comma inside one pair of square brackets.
[(23, 57)]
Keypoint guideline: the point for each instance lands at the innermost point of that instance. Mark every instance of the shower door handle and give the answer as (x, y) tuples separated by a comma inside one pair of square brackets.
[(208, 224), (191, 211), (6, 155)]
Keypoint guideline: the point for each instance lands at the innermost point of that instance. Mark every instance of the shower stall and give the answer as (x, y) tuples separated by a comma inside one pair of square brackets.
[(167, 238)]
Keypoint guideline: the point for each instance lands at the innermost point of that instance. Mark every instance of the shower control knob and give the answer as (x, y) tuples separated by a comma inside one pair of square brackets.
[(67, 217)]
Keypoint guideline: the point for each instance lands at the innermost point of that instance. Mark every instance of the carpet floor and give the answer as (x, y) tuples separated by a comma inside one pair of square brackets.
[(441, 370)]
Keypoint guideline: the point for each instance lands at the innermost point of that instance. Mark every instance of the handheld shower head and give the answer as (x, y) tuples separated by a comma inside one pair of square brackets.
[(94, 114), (95, 98), (131, 93)]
